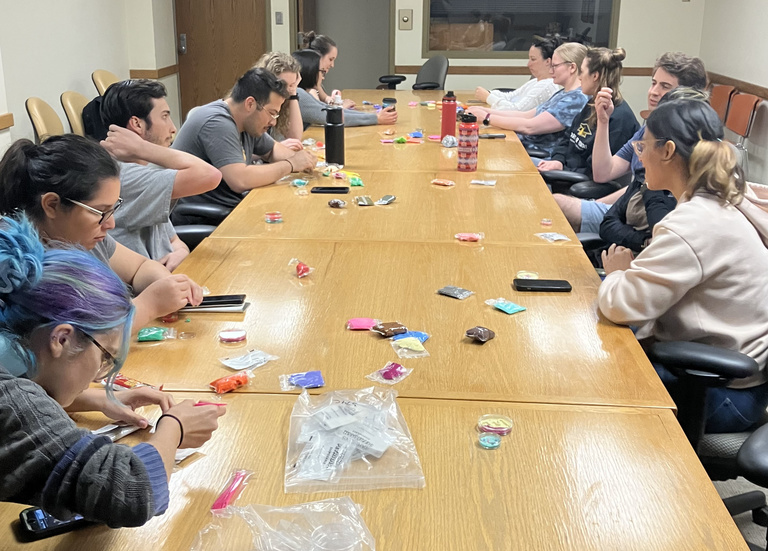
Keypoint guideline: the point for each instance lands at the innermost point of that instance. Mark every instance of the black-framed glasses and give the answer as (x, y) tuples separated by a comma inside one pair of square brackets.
[(104, 214), (639, 145), (107, 359)]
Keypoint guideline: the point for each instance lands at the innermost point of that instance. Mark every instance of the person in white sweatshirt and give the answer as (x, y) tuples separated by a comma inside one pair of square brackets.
[(702, 277)]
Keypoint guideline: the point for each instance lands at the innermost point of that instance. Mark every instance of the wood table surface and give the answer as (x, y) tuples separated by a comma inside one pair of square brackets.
[(364, 150), (567, 477), (559, 350), (509, 212)]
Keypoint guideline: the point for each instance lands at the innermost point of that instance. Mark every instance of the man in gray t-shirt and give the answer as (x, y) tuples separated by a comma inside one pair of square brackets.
[(141, 131), (228, 133)]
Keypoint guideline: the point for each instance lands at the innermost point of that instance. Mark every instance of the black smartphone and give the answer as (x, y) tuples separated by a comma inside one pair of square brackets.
[(492, 136), (542, 285), (223, 300), (37, 524), (329, 189)]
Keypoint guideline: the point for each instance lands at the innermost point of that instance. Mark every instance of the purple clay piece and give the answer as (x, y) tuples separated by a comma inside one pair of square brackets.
[(480, 334)]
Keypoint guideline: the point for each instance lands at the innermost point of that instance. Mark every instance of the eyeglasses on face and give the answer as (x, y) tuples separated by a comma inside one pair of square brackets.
[(107, 360), (270, 113), (104, 214), (556, 65), (640, 145)]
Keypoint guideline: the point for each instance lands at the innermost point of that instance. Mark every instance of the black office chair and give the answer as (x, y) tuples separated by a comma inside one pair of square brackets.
[(193, 234), (431, 76), (727, 455), (580, 185), (193, 214)]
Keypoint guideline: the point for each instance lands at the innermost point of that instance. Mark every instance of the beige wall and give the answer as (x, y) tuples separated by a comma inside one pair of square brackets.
[(281, 34), (5, 135)]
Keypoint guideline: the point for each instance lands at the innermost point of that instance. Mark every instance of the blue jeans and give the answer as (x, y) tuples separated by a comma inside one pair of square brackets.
[(728, 409)]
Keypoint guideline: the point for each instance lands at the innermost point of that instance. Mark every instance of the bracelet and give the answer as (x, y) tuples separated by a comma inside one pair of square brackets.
[(290, 163), (181, 427), (294, 96)]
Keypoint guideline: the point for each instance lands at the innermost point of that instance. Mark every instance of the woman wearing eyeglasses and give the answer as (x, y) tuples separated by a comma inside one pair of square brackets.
[(544, 126), (702, 277), (69, 317), (70, 188)]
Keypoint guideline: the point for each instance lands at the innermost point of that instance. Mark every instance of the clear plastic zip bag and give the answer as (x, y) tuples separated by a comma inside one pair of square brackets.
[(331, 524), (350, 440)]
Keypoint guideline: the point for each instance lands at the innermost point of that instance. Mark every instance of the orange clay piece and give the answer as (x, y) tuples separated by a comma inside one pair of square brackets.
[(229, 383)]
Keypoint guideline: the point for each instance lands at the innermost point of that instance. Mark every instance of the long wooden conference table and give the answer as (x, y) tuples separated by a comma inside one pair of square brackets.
[(595, 460)]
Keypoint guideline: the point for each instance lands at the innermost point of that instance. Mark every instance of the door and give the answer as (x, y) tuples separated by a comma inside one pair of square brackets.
[(224, 38)]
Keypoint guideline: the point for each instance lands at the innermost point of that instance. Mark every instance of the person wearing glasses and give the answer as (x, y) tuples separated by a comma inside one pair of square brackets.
[(140, 132), (544, 126), (70, 188), (702, 277), (69, 316), (313, 109), (231, 133)]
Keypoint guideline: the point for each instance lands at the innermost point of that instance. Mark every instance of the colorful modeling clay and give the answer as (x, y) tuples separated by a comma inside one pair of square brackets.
[(480, 334), (229, 383), (469, 236), (361, 324)]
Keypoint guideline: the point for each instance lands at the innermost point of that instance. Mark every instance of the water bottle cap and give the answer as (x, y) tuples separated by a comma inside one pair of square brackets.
[(468, 117), (334, 115)]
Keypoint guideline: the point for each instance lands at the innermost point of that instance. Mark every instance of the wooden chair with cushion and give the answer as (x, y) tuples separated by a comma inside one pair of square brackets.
[(73, 103), (44, 119), (103, 79), (720, 99)]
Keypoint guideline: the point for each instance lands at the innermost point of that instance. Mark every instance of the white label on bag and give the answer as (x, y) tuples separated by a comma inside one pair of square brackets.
[(340, 414), (325, 457), (252, 359), (367, 439)]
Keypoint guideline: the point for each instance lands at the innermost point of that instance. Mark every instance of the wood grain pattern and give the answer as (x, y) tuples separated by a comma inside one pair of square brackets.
[(558, 351), (6, 120), (566, 478), (154, 73), (509, 212)]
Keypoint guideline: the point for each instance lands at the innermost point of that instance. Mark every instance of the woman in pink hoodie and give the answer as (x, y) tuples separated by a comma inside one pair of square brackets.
[(702, 278)]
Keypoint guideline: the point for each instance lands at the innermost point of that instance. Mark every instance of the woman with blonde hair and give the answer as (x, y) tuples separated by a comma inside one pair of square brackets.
[(544, 126), (702, 277), (601, 69), (289, 127)]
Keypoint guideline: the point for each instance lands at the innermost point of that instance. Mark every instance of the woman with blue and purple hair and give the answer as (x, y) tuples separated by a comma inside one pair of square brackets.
[(69, 187), (69, 317)]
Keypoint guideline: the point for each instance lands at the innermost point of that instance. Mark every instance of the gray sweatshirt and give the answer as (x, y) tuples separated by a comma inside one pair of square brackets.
[(45, 460), (312, 113)]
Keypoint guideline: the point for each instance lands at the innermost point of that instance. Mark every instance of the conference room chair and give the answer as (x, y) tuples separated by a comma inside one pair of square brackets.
[(431, 76), (720, 99), (201, 214), (193, 234), (103, 79), (724, 455), (741, 115), (73, 104), (45, 121)]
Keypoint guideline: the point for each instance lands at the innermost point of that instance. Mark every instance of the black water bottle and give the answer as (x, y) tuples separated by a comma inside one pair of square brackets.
[(334, 135)]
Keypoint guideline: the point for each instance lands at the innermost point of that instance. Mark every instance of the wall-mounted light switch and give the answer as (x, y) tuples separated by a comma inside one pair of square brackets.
[(405, 20)]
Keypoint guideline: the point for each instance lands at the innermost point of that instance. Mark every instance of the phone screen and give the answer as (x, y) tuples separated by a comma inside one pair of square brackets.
[(222, 300), (39, 524)]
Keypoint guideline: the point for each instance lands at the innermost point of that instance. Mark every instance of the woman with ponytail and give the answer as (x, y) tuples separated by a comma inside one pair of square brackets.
[(69, 187), (701, 278), (326, 47), (601, 69), (69, 317)]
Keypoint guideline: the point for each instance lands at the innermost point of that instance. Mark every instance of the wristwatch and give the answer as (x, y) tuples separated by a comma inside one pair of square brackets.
[(487, 120), (294, 97)]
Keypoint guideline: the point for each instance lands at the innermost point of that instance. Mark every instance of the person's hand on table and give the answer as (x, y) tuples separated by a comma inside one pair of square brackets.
[(481, 93), (479, 112), (293, 143), (617, 258), (387, 116), (544, 166), (134, 398), (348, 104), (303, 161), (172, 293), (198, 422)]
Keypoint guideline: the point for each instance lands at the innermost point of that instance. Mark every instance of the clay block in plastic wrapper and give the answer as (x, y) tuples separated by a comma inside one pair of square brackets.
[(328, 524), (350, 440)]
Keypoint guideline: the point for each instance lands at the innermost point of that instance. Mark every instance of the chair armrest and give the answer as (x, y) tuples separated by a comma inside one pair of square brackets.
[(505, 90), (391, 79), (563, 177), (210, 211), (192, 236), (426, 86), (593, 190), (536, 152), (752, 458), (703, 362), (590, 240)]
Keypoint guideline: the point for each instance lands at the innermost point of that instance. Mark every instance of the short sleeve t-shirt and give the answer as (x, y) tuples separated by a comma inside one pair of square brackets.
[(104, 249), (210, 133), (627, 152), (142, 223), (564, 106)]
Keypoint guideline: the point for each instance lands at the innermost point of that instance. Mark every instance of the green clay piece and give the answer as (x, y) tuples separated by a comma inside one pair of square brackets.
[(354, 181), (187, 320), (152, 334), (401, 139)]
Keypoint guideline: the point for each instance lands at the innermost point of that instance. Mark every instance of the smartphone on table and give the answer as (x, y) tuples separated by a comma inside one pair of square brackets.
[(542, 285), (37, 524)]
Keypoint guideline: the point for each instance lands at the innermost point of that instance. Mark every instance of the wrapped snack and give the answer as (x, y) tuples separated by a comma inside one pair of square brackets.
[(230, 382), (390, 374), (455, 292), (121, 381), (552, 237), (480, 334), (470, 236), (443, 182), (389, 329), (409, 347), (302, 270), (148, 334), (504, 305), (337, 203)]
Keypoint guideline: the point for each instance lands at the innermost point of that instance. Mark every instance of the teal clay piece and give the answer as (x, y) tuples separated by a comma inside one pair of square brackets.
[(489, 440), (354, 181)]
